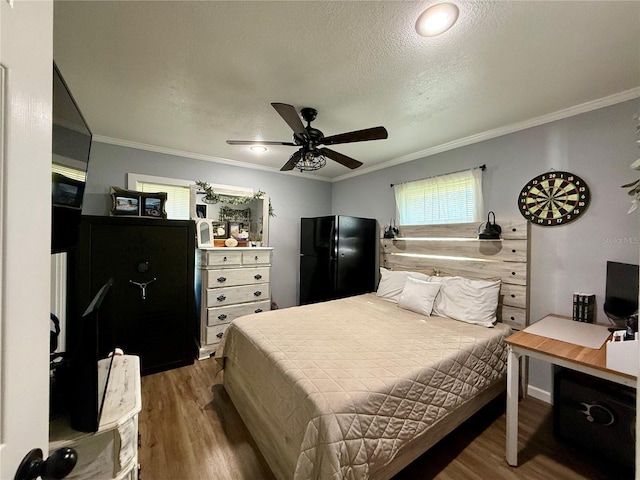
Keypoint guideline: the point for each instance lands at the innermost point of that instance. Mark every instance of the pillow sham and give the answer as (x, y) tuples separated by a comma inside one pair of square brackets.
[(467, 300), (392, 283), (418, 295)]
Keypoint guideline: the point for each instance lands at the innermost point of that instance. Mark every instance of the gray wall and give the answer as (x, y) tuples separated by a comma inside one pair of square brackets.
[(598, 146), (291, 198)]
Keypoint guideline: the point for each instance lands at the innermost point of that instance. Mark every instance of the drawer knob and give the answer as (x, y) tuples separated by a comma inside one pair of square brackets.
[(256, 257), (257, 277), (257, 293), (224, 259), (222, 279), (258, 310), (219, 335), (222, 316), (222, 298)]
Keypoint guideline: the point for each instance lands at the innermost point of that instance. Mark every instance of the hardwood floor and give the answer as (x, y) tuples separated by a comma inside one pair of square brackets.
[(190, 430)]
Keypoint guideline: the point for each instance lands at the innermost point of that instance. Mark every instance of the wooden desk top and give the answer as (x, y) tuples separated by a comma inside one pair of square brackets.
[(588, 357)]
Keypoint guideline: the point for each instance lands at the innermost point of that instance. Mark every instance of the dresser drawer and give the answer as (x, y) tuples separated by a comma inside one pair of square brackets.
[(218, 315), (256, 257), (235, 276), (215, 333), (217, 297), (219, 258)]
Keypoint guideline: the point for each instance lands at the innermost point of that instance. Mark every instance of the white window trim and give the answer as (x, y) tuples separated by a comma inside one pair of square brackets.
[(134, 178)]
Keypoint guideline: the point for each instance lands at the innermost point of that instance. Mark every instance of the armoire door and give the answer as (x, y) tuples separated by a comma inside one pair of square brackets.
[(151, 263)]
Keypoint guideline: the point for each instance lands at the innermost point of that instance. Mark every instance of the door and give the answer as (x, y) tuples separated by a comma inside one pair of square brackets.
[(25, 229), (151, 302), (317, 259), (356, 256)]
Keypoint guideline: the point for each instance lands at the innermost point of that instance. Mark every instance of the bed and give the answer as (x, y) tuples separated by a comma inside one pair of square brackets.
[(359, 387)]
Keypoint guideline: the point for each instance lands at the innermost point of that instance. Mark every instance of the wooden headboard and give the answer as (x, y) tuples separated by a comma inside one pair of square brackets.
[(454, 249)]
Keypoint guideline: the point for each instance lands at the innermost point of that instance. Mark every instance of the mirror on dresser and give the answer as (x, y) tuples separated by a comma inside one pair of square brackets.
[(233, 212), (233, 260)]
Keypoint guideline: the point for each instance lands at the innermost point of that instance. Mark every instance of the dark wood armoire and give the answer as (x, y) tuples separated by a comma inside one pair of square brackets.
[(151, 309)]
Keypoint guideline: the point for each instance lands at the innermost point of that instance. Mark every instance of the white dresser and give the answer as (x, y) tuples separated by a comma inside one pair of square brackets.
[(230, 283), (112, 451)]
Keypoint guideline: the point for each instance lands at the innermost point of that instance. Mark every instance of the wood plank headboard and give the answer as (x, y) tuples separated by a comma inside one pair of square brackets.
[(454, 249)]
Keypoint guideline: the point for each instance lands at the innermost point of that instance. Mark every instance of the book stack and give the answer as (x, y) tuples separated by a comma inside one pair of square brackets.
[(584, 307)]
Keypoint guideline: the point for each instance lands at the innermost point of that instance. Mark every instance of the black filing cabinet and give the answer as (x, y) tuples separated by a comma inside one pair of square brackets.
[(151, 261), (596, 415)]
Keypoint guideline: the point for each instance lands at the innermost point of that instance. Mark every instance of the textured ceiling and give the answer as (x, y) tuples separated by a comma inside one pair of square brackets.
[(186, 76)]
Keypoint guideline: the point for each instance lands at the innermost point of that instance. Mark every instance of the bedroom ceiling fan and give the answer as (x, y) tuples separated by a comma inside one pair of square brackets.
[(309, 156)]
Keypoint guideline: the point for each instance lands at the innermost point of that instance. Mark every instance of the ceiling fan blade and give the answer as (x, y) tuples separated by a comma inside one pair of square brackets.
[(340, 158), (293, 160), (258, 142), (290, 115), (375, 133)]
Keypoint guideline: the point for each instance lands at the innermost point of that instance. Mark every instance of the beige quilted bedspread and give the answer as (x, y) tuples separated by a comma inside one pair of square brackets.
[(343, 385)]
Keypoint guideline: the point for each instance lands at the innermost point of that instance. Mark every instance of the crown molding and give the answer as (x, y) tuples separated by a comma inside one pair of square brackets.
[(200, 156), (462, 142), (498, 132)]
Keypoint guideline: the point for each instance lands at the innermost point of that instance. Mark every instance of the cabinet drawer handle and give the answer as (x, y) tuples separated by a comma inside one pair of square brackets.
[(257, 293), (222, 316), (258, 310), (224, 259), (219, 335), (222, 279), (257, 277), (256, 257), (222, 298)]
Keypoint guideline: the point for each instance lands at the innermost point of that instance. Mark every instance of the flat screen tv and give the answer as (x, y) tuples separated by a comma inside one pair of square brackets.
[(621, 296), (71, 146)]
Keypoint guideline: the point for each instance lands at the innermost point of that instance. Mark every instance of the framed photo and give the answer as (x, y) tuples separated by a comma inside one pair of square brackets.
[(66, 192), (201, 211), (123, 204), (152, 205), (220, 229), (138, 204), (204, 233), (238, 230)]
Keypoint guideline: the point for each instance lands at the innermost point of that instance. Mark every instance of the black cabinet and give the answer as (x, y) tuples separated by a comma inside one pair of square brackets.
[(596, 415), (152, 309)]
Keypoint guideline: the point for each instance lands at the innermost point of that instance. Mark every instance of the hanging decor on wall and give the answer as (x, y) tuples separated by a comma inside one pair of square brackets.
[(554, 198), (212, 197)]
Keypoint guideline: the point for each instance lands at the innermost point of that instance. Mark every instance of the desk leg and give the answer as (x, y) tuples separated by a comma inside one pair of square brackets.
[(512, 407)]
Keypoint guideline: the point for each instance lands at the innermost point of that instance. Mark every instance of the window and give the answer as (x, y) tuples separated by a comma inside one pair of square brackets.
[(178, 194), (451, 198), (69, 172)]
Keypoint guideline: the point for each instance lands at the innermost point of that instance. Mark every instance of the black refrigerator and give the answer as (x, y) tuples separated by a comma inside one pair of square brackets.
[(337, 257)]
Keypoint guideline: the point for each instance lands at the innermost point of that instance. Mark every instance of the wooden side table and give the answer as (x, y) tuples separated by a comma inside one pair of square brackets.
[(564, 354), (112, 451)]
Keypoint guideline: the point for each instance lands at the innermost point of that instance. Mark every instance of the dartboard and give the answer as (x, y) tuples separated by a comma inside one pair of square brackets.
[(554, 198)]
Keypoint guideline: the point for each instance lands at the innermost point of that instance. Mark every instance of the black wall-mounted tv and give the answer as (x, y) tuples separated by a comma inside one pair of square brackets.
[(71, 146)]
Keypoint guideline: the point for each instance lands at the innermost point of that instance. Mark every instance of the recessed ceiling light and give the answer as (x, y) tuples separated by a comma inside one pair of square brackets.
[(437, 19), (258, 149)]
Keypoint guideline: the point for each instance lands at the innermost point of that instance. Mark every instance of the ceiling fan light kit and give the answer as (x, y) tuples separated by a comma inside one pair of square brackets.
[(309, 157), (437, 19)]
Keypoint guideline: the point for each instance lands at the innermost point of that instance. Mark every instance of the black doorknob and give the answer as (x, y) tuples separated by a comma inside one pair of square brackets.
[(59, 464)]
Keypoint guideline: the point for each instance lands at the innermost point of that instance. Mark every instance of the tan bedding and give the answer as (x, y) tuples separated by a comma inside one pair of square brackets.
[(338, 388)]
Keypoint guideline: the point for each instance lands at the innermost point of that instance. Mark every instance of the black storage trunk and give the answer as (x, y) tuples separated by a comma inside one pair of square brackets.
[(595, 414), (157, 322)]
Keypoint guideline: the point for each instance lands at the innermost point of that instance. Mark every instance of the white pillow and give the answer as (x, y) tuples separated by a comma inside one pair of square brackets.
[(472, 301), (418, 295), (392, 283)]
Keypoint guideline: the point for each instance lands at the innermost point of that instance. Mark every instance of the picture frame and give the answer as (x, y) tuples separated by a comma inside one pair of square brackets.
[(201, 211), (220, 229), (153, 205), (125, 205), (239, 231), (138, 204)]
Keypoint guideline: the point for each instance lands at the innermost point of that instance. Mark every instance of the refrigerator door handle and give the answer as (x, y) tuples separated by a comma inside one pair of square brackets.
[(333, 242)]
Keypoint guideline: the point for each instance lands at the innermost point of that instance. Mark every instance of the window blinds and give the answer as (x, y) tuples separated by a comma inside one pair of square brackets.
[(450, 198)]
